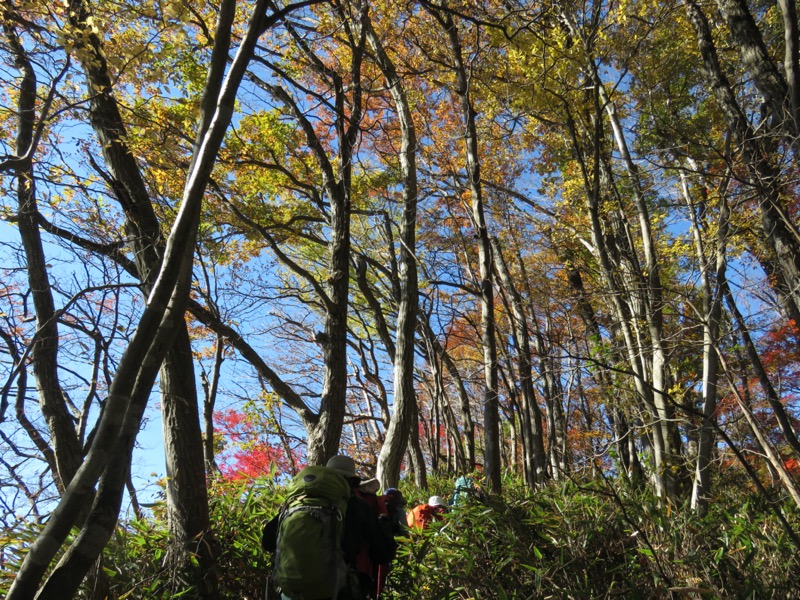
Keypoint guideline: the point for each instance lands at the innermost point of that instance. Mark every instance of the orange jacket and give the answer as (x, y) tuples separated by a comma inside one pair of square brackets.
[(420, 516)]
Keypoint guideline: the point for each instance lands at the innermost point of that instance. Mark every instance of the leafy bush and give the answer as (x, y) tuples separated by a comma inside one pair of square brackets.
[(238, 517), (14, 542), (593, 540), (135, 561), (571, 541)]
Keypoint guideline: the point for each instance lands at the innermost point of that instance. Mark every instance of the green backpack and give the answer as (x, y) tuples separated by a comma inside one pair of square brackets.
[(308, 559)]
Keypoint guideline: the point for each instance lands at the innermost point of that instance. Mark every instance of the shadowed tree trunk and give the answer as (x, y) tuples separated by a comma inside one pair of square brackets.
[(187, 501), (108, 458), (780, 235), (324, 427), (65, 455)]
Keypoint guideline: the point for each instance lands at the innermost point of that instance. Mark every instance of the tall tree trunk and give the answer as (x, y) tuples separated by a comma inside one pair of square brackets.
[(66, 447), (530, 414), (434, 355), (121, 419), (415, 453), (781, 416), (512, 412), (88, 546), (712, 312), (611, 246), (780, 234), (768, 79), (325, 429), (397, 435), (467, 424), (186, 491), (491, 408), (654, 308), (323, 438), (553, 401), (623, 435), (634, 292), (791, 60)]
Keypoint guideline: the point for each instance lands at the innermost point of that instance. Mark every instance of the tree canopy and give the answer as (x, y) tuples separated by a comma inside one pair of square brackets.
[(552, 239)]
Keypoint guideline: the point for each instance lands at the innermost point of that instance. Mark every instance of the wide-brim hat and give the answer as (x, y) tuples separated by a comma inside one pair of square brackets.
[(370, 486), (344, 465)]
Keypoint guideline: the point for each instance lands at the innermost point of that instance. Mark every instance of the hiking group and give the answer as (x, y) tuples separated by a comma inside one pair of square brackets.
[(334, 536), (435, 508)]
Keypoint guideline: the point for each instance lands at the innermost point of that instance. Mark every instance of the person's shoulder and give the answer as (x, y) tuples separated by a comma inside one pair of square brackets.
[(359, 505)]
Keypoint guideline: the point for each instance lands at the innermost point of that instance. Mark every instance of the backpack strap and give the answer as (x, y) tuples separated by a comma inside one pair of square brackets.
[(383, 510)]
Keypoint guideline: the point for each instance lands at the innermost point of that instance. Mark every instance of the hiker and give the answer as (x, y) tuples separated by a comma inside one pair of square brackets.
[(373, 562), (318, 533), (465, 489), (307, 537), (396, 507), (364, 542), (424, 514)]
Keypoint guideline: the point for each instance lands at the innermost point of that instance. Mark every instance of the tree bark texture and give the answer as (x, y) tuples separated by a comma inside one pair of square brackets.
[(66, 452), (755, 57), (398, 432), (138, 365), (781, 238), (187, 502), (491, 409)]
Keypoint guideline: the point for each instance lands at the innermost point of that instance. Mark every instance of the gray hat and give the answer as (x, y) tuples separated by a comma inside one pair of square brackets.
[(344, 465)]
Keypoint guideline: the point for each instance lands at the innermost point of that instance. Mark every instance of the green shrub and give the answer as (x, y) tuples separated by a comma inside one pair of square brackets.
[(597, 539), (135, 561), (14, 543), (589, 541)]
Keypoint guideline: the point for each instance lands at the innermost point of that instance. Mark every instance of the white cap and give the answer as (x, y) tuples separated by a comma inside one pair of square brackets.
[(436, 501)]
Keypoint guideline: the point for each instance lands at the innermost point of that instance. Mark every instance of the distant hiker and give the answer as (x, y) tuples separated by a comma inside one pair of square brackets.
[(424, 514), (466, 489)]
